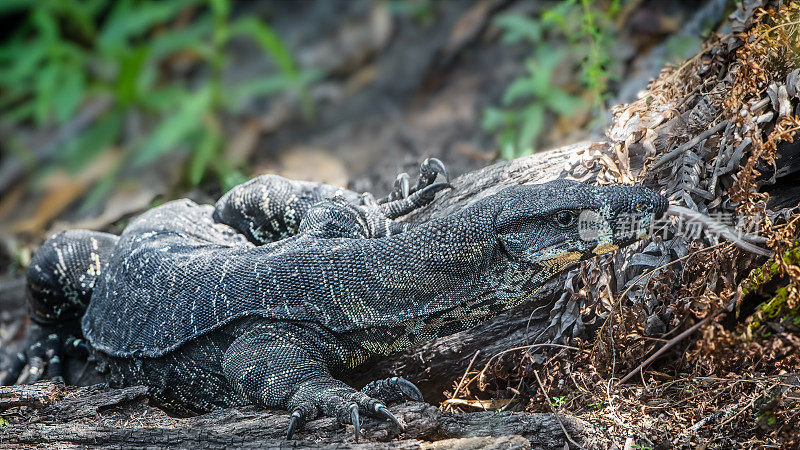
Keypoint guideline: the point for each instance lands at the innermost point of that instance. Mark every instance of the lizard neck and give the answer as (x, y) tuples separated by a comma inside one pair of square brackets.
[(507, 285)]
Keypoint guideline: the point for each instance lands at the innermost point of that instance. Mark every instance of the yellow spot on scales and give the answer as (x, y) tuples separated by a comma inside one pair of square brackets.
[(605, 248), (562, 260)]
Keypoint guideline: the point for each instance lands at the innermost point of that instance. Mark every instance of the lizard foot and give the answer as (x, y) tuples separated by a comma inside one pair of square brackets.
[(429, 170), (41, 359), (348, 404)]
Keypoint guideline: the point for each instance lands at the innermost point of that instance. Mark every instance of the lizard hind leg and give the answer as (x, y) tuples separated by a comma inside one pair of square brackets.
[(289, 366)]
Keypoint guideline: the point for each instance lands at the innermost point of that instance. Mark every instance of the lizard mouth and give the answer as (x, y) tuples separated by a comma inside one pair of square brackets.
[(551, 257)]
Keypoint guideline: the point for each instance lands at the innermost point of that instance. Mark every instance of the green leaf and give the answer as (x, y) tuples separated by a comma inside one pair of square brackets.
[(83, 14), (100, 190), (26, 63), (45, 23), (221, 8), (24, 111), (518, 28), (542, 67), (257, 87), (82, 149), (191, 37), (230, 177), (69, 94), (163, 99), (494, 118), (8, 7), (176, 127), (558, 15), (46, 84), (128, 80), (277, 50), (507, 146), (532, 124), (519, 88), (208, 146), (130, 19), (563, 103), (269, 41)]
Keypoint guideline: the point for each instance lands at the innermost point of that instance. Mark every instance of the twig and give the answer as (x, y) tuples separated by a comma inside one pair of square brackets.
[(523, 347), (663, 349), (712, 186), (692, 142), (742, 240), (702, 422), (463, 377), (749, 404), (781, 25), (553, 410), (513, 397)]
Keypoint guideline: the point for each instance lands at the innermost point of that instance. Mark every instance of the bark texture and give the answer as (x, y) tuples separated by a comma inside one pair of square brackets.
[(57, 416)]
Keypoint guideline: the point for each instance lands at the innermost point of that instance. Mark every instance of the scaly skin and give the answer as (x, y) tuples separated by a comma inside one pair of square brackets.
[(283, 286)]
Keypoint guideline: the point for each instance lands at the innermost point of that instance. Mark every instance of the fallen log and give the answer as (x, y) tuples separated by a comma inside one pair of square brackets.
[(122, 417)]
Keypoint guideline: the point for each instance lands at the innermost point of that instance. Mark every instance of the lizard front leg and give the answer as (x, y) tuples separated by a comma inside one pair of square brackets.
[(290, 366), (429, 170), (59, 285)]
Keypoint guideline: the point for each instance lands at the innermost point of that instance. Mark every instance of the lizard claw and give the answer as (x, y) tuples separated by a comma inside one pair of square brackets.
[(401, 186), (402, 189), (294, 423), (408, 388), (381, 409), (429, 170), (354, 417), (392, 390), (76, 346)]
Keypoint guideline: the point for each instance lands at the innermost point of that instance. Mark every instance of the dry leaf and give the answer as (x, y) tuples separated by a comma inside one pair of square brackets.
[(487, 405), (311, 164), (62, 190)]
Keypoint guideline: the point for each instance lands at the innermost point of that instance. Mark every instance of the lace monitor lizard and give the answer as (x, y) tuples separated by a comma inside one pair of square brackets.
[(284, 285)]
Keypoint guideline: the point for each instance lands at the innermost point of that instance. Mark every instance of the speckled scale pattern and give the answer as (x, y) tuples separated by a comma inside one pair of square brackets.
[(63, 274), (282, 286), (270, 208), (177, 284)]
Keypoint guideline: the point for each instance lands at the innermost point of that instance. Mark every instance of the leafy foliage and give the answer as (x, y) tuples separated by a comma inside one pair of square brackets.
[(96, 67), (528, 99)]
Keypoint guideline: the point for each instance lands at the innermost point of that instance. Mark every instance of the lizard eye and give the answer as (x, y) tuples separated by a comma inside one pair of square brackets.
[(564, 219)]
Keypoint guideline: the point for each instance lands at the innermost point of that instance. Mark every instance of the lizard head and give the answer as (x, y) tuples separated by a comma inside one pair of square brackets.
[(561, 222)]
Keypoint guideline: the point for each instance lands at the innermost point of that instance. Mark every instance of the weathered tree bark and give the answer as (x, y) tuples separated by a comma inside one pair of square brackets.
[(94, 416), (52, 415)]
